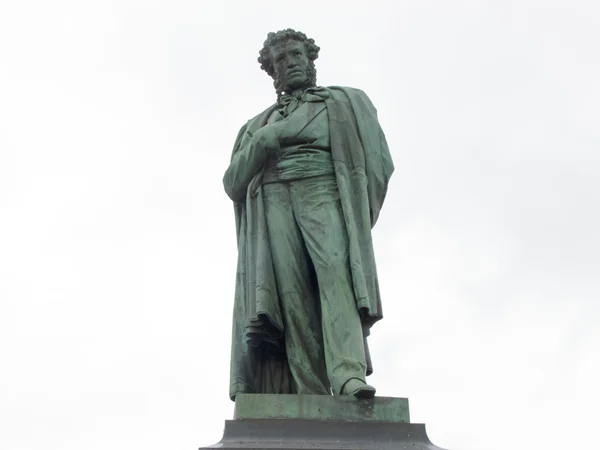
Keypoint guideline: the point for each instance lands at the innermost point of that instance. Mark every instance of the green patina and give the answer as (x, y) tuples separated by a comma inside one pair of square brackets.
[(321, 407), (308, 177)]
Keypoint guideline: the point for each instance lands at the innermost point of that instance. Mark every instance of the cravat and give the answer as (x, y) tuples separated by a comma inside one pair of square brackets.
[(288, 103)]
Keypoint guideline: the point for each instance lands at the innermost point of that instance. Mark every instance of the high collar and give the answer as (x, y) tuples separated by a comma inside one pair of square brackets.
[(311, 94)]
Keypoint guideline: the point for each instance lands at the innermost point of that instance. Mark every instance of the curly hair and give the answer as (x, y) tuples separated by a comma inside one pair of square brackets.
[(312, 52)]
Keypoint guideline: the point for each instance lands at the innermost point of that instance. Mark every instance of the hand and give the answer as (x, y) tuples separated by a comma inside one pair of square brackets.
[(269, 136), (277, 128)]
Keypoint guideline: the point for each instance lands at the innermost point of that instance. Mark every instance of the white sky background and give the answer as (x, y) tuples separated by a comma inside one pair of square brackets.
[(117, 241)]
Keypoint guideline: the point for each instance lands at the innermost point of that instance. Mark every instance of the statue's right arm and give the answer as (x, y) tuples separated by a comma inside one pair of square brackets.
[(248, 160)]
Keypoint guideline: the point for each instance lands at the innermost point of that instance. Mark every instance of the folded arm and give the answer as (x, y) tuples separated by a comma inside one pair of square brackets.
[(248, 159)]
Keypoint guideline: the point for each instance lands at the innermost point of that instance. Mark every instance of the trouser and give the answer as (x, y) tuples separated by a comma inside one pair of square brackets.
[(309, 245)]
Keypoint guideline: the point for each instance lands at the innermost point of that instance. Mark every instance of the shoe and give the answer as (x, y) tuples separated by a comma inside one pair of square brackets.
[(358, 388)]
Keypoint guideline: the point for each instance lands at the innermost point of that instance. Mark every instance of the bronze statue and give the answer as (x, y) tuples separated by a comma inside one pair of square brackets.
[(308, 177)]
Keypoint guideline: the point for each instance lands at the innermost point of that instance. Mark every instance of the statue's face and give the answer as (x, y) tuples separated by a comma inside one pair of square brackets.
[(290, 63)]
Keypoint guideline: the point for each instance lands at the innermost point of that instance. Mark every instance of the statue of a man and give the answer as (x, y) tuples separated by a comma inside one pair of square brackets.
[(308, 177)]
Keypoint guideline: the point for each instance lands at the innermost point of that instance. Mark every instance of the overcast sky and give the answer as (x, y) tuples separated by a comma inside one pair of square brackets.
[(117, 241)]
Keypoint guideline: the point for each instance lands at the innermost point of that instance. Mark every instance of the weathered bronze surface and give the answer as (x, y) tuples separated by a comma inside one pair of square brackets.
[(308, 177), (340, 408)]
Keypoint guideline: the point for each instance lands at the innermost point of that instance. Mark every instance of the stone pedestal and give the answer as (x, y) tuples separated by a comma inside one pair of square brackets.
[(295, 422)]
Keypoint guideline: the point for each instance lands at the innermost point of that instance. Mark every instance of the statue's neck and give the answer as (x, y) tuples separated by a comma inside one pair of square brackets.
[(297, 92)]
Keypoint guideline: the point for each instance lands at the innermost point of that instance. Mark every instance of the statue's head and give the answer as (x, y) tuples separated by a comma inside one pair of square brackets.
[(288, 57)]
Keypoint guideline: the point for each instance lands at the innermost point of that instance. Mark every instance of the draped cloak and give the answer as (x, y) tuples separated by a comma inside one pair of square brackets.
[(363, 166)]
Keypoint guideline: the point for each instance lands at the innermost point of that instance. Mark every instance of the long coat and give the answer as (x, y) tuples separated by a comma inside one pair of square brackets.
[(363, 167)]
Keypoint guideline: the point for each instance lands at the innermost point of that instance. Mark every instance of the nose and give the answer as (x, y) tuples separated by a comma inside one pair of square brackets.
[(290, 62)]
